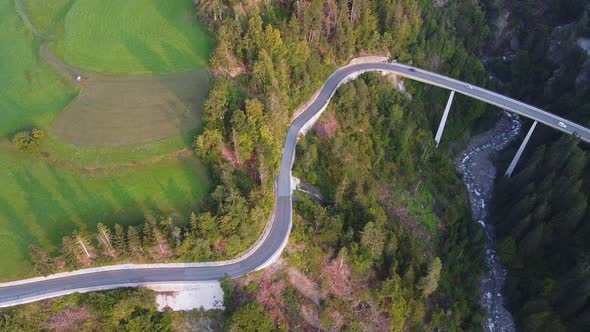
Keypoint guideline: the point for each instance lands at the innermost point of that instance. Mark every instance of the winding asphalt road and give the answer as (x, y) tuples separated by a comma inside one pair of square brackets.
[(275, 239)]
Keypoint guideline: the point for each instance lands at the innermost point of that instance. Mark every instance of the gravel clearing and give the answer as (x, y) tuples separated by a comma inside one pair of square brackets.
[(179, 297)]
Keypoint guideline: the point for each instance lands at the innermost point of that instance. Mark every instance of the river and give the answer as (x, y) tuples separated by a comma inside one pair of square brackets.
[(479, 173)]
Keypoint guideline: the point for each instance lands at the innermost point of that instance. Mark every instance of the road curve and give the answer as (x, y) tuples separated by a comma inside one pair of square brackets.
[(274, 240)]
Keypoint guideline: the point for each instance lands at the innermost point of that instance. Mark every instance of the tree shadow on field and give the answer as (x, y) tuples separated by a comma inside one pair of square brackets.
[(191, 87), (142, 52), (133, 210), (180, 204), (13, 121), (173, 54), (150, 206), (19, 229), (99, 207), (51, 216), (79, 201), (193, 168), (127, 210), (175, 196), (192, 19)]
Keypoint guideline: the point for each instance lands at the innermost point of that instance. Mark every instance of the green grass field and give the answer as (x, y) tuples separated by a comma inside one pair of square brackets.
[(41, 198), (39, 203), (31, 92), (88, 156), (124, 37)]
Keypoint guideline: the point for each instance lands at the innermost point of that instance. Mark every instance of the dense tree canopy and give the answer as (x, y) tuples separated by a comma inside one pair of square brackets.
[(251, 317), (388, 195), (541, 216), (542, 211)]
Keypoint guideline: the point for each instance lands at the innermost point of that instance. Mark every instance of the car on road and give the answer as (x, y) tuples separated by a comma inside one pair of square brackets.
[(469, 87), (412, 69), (561, 124)]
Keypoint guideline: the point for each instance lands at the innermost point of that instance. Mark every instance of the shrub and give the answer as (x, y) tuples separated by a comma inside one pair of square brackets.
[(252, 288), (28, 141), (251, 316)]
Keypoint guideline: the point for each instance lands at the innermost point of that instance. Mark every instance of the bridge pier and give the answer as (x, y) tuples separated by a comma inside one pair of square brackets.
[(441, 126), (520, 151)]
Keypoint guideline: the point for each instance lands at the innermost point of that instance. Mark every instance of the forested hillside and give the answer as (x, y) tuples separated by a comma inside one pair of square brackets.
[(269, 57), (386, 247), (542, 223), (394, 210), (542, 211)]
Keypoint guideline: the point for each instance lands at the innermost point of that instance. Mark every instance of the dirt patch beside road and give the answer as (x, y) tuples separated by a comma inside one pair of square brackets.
[(304, 285), (67, 320)]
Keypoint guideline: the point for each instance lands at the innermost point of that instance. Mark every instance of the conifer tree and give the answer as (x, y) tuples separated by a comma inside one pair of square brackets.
[(148, 237), (69, 250), (429, 283), (42, 263), (104, 238), (134, 241), (120, 241)]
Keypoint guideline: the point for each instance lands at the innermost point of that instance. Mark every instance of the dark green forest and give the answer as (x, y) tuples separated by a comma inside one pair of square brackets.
[(540, 215), (542, 212)]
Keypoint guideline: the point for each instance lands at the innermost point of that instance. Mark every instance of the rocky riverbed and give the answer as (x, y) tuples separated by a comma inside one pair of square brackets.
[(479, 173)]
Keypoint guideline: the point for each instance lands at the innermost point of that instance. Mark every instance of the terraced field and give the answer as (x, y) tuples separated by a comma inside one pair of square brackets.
[(117, 144)]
